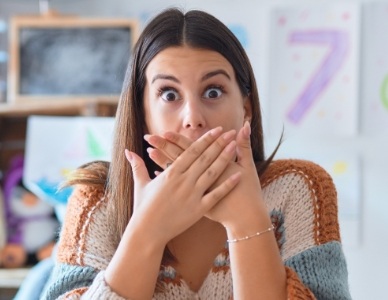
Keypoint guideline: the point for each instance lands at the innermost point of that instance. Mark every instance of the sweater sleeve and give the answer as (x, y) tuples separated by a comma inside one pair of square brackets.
[(84, 250), (302, 201)]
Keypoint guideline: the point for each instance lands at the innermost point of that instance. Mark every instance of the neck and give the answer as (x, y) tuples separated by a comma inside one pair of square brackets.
[(204, 232)]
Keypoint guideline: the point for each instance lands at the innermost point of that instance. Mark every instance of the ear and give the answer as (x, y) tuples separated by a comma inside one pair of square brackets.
[(247, 109)]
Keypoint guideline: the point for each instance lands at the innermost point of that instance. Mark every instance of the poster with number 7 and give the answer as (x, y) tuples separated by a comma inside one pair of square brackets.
[(313, 75)]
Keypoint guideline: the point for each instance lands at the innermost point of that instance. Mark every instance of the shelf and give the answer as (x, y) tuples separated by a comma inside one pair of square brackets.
[(14, 118), (85, 107), (12, 278)]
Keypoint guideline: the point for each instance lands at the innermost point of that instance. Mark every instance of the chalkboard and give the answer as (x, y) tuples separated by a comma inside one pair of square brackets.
[(69, 58)]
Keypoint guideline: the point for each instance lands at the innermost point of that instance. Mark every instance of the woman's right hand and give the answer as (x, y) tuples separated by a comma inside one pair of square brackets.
[(176, 199)]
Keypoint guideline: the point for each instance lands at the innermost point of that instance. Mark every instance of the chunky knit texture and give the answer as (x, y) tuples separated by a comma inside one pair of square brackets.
[(301, 200)]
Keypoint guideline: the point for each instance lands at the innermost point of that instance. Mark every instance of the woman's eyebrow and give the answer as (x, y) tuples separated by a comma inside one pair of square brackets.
[(165, 76), (214, 73), (205, 77)]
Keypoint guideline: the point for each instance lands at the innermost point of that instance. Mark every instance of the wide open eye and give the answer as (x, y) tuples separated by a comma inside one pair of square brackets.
[(169, 95), (213, 92)]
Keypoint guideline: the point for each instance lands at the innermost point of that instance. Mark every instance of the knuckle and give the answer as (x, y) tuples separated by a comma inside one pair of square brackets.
[(205, 159), (194, 150), (174, 138), (176, 153), (224, 158), (216, 195), (245, 146), (135, 167), (220, 144), (208, 138), (163, 144), (212, 173)]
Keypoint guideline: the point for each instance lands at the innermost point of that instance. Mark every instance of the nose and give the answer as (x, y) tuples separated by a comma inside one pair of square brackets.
[(194, 117)]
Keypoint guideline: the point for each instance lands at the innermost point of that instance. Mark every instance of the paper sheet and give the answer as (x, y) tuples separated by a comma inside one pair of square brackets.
[(313, 74), (55, 146)]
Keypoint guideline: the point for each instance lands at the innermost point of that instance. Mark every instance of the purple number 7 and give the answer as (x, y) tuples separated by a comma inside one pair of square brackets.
[(339, 45)]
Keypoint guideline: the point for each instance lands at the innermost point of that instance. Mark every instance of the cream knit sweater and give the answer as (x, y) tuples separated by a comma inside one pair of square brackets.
[(301, 201)]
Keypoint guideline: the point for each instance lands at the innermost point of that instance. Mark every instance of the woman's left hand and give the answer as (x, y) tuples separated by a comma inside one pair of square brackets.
[(241, 209)]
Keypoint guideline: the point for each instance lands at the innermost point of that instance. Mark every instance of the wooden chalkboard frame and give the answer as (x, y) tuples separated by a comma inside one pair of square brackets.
[(18, 23)]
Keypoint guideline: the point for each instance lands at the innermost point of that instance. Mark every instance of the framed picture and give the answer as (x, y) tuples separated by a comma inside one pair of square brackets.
[(63, 58)]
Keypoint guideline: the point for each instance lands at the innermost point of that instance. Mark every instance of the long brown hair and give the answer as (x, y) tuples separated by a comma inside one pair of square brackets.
[(171, 28)]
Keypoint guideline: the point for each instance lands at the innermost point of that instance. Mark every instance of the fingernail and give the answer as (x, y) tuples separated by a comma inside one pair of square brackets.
[(128, 155), (247, 129), (147, 136), (236, 176), (216, 130)]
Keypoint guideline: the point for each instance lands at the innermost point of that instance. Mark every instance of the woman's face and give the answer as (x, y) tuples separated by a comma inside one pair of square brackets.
[(191, 91)]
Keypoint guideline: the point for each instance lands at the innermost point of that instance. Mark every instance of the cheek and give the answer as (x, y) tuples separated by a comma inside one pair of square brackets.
[(234, 117), (159, 121), (152, 116), (158, 117)]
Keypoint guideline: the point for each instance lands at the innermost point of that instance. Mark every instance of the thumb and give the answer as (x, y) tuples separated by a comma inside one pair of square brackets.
[(244, 151), (139, 170)]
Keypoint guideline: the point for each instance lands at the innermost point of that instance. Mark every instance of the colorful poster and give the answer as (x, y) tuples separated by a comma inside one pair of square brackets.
[(374, 77), (313, 75), (55, 146)]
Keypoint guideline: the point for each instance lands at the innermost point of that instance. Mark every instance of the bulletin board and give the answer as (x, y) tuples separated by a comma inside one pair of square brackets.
[(59, 58)]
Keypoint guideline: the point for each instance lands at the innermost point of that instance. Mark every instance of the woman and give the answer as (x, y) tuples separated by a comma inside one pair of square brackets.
[(217, 209)]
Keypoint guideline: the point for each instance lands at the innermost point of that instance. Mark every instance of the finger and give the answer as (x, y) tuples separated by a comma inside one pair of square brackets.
[(159, 158), (180, 140), (213, 197), (210, 154), (211, 174), (168, 148), (244, 150), (188, 157), (139, 170)]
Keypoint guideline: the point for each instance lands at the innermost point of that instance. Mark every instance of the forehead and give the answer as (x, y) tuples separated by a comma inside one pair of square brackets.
[(188, 60)]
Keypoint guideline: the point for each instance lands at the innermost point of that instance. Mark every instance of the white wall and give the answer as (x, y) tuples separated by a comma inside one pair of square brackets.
[(368, 262)]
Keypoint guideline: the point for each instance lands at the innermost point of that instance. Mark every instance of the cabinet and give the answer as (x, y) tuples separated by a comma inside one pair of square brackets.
[(13, 123)]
